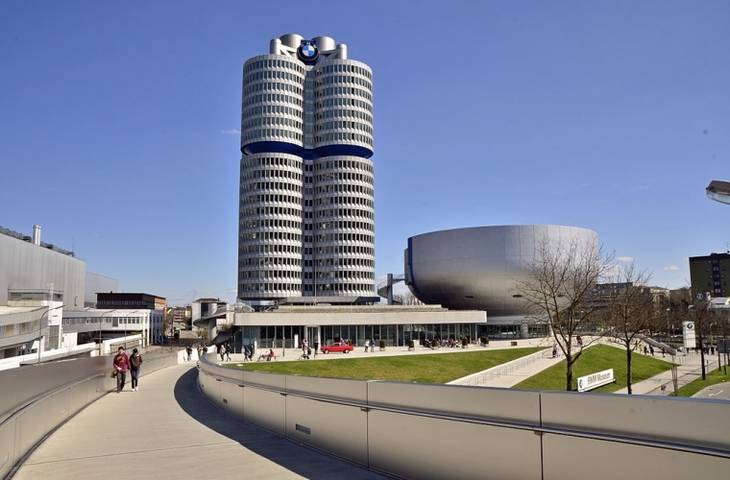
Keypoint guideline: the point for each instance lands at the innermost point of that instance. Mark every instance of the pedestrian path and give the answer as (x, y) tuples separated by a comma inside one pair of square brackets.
[(515, 376), (167, 430), (689, 370), (719, 391)]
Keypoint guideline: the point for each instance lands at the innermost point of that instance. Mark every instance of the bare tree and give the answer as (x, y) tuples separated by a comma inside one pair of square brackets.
[(630, 311), (558, 290)]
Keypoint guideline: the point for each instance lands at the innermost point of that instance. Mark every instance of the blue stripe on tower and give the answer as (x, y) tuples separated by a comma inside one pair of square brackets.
[(343, 149), (290, 148)]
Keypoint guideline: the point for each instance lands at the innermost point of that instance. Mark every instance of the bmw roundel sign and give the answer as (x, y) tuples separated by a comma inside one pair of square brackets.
[(307, 52)]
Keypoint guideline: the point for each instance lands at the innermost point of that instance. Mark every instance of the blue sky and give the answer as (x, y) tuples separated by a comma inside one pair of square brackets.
[(115, 121)]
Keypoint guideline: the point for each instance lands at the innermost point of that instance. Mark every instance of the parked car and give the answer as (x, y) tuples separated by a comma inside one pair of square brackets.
[(337, 347)]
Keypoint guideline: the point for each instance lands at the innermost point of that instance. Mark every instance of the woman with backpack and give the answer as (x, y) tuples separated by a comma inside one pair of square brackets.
[(135, 361)]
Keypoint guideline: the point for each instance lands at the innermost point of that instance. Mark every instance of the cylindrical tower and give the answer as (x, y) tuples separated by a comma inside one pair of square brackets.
[(307, 218), (344, 109), (344, 226), (272, 137), (270, 230), (272, 116)]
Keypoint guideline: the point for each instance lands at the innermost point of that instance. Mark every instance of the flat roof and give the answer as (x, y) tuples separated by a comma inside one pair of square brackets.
[(377, 308), (131, 293), (712, 256), (7, 310), (116, 311)]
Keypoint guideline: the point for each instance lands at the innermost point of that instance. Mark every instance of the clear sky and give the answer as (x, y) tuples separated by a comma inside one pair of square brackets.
[(118, 125)]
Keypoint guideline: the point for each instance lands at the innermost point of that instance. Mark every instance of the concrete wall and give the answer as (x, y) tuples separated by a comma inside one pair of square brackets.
[(27, 266), (35, 400), (447, 431)]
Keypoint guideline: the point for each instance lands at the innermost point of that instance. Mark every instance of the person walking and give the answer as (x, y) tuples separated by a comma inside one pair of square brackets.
[(189, 351), (121, 366), (135, 361), (228, 349), (316, 348)]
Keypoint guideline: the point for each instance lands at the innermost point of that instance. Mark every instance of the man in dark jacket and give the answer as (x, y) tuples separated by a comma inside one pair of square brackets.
[(135, 361), (121, 366)]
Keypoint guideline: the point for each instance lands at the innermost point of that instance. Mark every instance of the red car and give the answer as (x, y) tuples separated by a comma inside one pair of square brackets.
[(337, 347)]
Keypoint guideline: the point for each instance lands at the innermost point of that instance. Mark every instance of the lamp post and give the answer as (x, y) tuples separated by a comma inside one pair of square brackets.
[(40, 329), (719, 191), (101, 319)]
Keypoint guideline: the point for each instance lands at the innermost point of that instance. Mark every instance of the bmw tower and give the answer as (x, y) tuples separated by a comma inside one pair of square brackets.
[(307, 217)]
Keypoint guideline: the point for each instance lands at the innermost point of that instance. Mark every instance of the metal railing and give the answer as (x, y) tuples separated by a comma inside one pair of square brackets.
[(37, 399), (527, 429)]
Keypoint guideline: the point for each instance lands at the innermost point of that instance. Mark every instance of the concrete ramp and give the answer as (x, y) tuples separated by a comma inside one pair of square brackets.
[(168, 430)]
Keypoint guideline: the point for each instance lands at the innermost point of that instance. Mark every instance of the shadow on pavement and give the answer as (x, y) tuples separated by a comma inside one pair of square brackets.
[(300, 460)]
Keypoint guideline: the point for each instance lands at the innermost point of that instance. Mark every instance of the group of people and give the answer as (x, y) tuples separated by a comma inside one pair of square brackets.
[(224, 350), (307, 350), (450, 342), (123, 363)]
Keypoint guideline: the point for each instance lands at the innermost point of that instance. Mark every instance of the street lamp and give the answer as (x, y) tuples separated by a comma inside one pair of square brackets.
[(101, 317), (719, 191), (40, 329)]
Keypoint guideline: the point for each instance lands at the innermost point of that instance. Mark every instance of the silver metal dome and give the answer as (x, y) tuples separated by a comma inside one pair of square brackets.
[(480, 267)]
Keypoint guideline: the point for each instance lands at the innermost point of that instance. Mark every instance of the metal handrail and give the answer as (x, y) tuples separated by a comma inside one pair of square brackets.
[(537, 428)]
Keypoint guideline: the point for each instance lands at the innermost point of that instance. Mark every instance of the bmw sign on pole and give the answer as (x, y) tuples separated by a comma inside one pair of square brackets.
[(595, 380)]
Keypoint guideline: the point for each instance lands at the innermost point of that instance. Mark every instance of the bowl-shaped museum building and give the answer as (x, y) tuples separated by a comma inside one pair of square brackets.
[(479, 268)]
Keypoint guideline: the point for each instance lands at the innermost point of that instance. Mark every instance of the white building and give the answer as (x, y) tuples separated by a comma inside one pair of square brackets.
[(91, 324)]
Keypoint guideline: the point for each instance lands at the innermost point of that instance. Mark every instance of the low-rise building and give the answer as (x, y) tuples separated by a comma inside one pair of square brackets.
[(97, 325), (129, 300), (394, 325), (37, 280)]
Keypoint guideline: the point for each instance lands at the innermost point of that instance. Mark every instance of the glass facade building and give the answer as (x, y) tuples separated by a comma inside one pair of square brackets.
[(357, 335)]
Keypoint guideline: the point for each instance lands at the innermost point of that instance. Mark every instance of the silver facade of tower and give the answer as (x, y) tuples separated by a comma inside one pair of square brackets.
[(307, 216)]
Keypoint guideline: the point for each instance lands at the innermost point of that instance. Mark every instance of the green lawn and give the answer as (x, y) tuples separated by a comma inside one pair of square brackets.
[(431, 368), (594, 359), (713, 377)]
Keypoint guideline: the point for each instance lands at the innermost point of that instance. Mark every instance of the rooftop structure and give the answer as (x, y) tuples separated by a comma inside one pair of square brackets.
[(129, 300)]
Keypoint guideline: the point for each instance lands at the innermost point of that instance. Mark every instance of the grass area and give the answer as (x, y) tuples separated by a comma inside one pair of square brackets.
[(431, 368), (594, 359), (713, 377)]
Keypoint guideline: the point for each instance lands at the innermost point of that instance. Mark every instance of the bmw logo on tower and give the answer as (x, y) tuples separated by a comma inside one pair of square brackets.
[(308, 52)]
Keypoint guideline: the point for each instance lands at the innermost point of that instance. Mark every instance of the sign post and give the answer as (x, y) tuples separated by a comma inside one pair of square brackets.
[(595, 380), (688, 334)]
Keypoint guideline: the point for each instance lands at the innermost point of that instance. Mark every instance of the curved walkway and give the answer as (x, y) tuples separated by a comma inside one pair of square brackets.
[(168, 430)]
